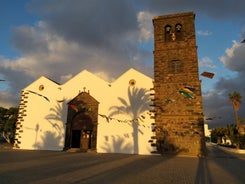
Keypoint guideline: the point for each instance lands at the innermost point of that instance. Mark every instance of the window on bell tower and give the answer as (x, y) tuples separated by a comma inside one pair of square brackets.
[(168, 33), (175, 66), (178, 32)]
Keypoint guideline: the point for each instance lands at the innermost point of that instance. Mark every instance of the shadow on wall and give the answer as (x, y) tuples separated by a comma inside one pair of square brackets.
[(138, 102), (49, 141), (36, 129), (118, 145), (166, 146), (57, 114)]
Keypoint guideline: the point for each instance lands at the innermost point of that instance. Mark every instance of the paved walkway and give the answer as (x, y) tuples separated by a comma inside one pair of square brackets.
[(17, 166)]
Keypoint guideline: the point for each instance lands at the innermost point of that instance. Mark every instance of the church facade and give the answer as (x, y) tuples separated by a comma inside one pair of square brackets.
[(87, 113), (135, 114)]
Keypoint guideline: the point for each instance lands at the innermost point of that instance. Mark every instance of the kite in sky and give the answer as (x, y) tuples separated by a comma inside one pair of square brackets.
[(46, 98), (208, 74)]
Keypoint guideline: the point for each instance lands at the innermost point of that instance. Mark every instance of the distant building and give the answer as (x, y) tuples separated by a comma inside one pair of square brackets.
[(207, 131), (241, 129)]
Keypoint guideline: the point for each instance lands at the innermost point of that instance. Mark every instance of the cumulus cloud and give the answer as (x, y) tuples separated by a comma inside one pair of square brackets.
[(145, 25), (206, 62), (8, 100), (234, 58), (73, 36), (107, 38), (96, 23), (218, 9), (216, 102)]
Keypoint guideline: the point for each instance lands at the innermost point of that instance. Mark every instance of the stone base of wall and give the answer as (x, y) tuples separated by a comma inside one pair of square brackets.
[(181, 138)]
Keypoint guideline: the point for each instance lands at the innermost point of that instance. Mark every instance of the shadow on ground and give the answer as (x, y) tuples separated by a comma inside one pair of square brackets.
[(18, 166)]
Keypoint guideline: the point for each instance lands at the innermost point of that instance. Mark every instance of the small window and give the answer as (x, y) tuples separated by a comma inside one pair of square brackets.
[(178, 27), (178, 32), (168, 33), (168, 29), (175, 66)]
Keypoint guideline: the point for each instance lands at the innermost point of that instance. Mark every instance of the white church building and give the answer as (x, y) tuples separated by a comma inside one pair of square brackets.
[(88, 114)]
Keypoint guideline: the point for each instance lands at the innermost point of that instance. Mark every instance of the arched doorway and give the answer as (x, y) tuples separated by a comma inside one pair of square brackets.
[(82, 121)]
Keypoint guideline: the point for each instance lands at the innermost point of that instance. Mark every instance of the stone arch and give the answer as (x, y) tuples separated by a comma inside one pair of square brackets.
[(82, 121)]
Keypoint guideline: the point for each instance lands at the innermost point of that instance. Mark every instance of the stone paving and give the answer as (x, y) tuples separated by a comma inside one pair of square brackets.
[(18, 166)]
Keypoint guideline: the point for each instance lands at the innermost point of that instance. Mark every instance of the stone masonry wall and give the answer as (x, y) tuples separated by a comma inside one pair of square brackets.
[(179, 119)]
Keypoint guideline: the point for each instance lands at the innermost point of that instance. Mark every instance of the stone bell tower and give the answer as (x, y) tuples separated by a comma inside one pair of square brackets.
[(177, 100)]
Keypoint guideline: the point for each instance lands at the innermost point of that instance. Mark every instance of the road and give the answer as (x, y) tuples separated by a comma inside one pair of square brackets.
[(18, 166)]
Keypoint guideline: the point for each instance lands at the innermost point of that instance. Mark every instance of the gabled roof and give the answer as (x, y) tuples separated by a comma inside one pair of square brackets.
[(42, 80), (129, 73), (132, 73), (85, 75)]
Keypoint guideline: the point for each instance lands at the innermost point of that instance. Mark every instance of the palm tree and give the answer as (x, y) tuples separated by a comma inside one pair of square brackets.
[(236, 100), (217, 134), (231, 133)]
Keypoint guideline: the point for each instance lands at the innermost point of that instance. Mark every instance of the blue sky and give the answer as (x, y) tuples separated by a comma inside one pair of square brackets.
[(13, 13), (213, 38), (58, 39)]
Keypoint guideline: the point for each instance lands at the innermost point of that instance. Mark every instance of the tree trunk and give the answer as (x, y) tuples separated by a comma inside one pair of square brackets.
[(237, 119), (6, 137)]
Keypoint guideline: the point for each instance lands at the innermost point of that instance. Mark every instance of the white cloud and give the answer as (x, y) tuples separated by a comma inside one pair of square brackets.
[(45, 52), (206, 62), (204, 33), (145, 24), (234, 58), (8, 100), (69, 39)]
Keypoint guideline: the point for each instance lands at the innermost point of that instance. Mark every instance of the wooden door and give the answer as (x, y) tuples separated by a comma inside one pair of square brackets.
[(85, 140)]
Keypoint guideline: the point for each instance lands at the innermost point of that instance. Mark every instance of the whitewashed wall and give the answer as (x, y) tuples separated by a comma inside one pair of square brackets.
[(43, 126), (44, 123)]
